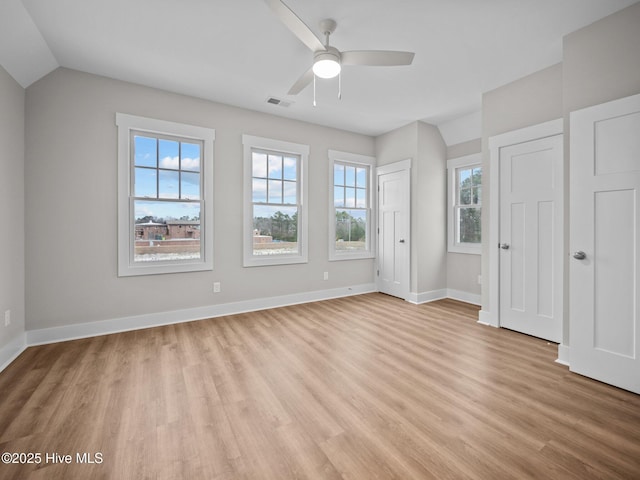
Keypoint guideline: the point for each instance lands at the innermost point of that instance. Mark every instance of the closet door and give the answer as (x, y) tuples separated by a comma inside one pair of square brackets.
[(605, 233), (531, 237)]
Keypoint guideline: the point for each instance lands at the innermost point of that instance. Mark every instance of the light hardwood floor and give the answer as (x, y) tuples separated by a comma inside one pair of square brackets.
[(356, 388)]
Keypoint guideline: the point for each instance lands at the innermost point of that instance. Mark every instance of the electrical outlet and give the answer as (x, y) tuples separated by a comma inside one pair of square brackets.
[(7, 318), (216, 287), (326, 275), (479, 279)]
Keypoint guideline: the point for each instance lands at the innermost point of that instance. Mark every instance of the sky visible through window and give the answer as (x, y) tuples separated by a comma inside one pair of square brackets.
[(350, 189), (274, 184), (166, 169)]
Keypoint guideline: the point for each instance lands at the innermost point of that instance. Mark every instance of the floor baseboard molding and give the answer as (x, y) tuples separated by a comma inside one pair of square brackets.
[(485, 318), (12, 350), (564, 352), (433, 295), (137, 322), (465, 297), (426, 297)]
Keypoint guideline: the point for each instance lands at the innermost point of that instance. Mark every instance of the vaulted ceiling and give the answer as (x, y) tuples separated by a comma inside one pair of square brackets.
[(238, 52)]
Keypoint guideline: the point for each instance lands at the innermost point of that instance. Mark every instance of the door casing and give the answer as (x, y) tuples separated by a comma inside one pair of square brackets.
[(491, 316), (404, 167)]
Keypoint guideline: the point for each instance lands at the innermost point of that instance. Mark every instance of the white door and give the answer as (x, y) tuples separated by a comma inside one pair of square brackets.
[(605, 231), (393, 231), (531, 237)]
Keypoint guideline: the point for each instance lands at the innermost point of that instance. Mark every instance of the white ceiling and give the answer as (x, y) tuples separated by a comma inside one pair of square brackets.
[(237, 52)]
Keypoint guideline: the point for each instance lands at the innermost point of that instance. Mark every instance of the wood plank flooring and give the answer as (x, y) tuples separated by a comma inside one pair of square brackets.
[(365, 387)]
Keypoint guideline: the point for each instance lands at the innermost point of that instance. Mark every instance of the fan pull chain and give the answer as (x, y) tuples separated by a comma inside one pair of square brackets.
[(314, 90), (339, 85)]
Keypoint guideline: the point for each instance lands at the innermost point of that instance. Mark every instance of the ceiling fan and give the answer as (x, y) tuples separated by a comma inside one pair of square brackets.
[(328, 60)]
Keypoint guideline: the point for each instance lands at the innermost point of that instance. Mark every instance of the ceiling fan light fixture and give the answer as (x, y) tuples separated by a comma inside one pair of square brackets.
[(327, 64)]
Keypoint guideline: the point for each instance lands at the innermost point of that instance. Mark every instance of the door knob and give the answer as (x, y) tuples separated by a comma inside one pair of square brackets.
[(579, 255), (504, 246)]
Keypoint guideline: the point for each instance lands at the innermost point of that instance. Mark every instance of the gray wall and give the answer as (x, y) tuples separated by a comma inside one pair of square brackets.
[(424, 145), (463, 269), (602, 61), (430, 217), (466, 148), (12, 272), (71, 234)]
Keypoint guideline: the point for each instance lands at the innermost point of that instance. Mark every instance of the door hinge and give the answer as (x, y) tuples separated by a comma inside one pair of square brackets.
[(378, 273)]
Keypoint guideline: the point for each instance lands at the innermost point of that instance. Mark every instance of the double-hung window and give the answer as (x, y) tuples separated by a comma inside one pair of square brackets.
[(275, 224), (165, 216), (465, 204), (350, 222)]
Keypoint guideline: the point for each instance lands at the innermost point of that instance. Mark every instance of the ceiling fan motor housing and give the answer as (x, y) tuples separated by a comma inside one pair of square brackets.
[(326, 63)]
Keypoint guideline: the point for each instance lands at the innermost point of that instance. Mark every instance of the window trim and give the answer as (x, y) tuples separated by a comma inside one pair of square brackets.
[(126, 229), (250, 143), (467, 161), (356, 160)]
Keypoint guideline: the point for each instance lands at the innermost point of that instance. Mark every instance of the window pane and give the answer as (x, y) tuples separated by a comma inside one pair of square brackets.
[(259, 190), (361, 198), (190, 186), (290, 193), (190, 157), (275, 166), (465, 196), (168, 184), (361, 177), (469, 225), (350, 176), (168, 154), (275, 191), (290, 168), (259, 164), (145, 151), (275, 230), (464, 177), (338, 196), (477, 192), (350, 197), (145, 182), (477, 175), (166, 231), (351, 230), (338, 174)]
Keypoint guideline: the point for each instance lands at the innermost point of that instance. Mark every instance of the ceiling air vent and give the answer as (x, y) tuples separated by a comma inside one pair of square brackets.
[(277, 101)]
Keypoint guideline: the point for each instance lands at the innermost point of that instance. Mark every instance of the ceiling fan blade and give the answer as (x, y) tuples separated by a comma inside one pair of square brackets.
[(297, 26), (377, 58), (301, 83)]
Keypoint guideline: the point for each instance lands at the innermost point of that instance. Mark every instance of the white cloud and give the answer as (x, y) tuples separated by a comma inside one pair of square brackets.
[(174, 163), (170, 162), (191, 163)]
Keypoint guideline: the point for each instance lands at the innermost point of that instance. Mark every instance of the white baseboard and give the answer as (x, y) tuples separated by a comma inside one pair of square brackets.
[(433, 295), (137, 322), (466, 297), (425, 297), (485, 318), (563, 354), (10, 351)]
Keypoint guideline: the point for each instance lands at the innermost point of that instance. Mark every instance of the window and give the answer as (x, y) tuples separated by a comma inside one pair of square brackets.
[(275, 202), (350, 211), (465, 204), (165, 195)]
